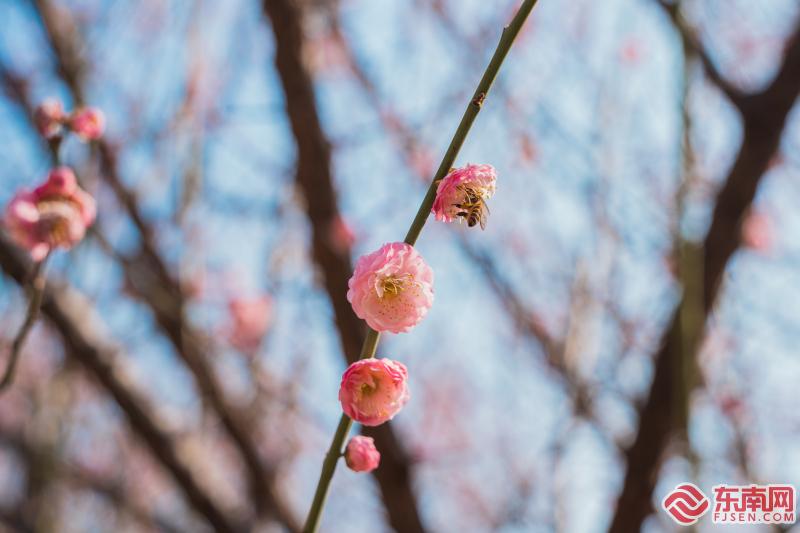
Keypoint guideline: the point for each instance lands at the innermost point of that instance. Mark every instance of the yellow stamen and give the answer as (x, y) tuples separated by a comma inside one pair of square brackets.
[(395, 286)]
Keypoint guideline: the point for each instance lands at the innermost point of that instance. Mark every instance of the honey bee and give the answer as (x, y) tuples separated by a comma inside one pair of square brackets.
[(473, 209)]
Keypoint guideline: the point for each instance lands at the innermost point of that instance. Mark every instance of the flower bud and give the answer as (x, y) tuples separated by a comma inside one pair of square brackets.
[(360, 455), (49, 117), (87, 123)]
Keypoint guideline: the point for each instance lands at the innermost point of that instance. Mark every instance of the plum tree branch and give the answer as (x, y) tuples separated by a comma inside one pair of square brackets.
[(153, 283), (38, 279), (764, 116), (70, 312), (33, 450), (692, 43)]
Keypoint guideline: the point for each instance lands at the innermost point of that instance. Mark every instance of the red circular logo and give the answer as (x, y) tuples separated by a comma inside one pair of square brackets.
[(686, 504)]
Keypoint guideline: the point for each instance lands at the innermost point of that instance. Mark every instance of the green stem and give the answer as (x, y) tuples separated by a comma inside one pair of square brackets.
[(368, 350), (328, 467), (510, 33), (370, 345)]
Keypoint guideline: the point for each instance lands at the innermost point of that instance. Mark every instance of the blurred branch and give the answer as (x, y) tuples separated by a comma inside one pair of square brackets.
[(553, 350), (691, 42), (35, 293), (71, 314), (314, 178), (167, 304), (153, 283), (14, 520), (741, 449), (16, 88), (764, 118), (33, 452)]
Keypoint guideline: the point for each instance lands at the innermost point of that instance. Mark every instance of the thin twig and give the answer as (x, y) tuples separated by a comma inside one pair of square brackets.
[(373, 337), (764, 120), (153, 283), (85, 340), (691, 42), (37, 284)]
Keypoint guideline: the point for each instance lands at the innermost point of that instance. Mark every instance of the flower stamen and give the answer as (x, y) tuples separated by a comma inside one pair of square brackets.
[(394, 285)]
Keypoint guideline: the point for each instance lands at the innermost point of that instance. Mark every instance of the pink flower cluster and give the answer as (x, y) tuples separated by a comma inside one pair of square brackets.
[(54, 214), (374, 390), (462, 191), (361, 454), (391, 288), (87, 123)]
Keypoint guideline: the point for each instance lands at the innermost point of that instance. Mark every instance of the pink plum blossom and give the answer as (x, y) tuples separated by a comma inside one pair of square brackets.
[(341, 234), (88, 123), (391, 288), (49, 117), (251, 319), (422, 161), (631, 51), (373, 390), (757, 232), (361, 454), (462, 187), (55, 214)]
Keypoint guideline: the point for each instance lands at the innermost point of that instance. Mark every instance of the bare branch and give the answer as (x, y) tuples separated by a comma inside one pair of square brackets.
[(764, 116), (32, 452), (70, 312), (691, 42), (155, 286), (36, 290)]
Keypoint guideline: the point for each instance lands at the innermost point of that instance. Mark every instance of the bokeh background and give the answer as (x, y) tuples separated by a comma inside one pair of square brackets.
[(641, 262)]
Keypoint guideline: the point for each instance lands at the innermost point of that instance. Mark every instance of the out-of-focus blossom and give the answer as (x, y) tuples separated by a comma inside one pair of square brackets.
[(757, 232), (87, 123), (529, 152), (631, 51), (361, 454), (440, 434), (325, 55), (250, 321), (49, 117), (55, 214), (731, 405), (461, 194), (391, 288), (341, 235), (422, 161), (374, 390)]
